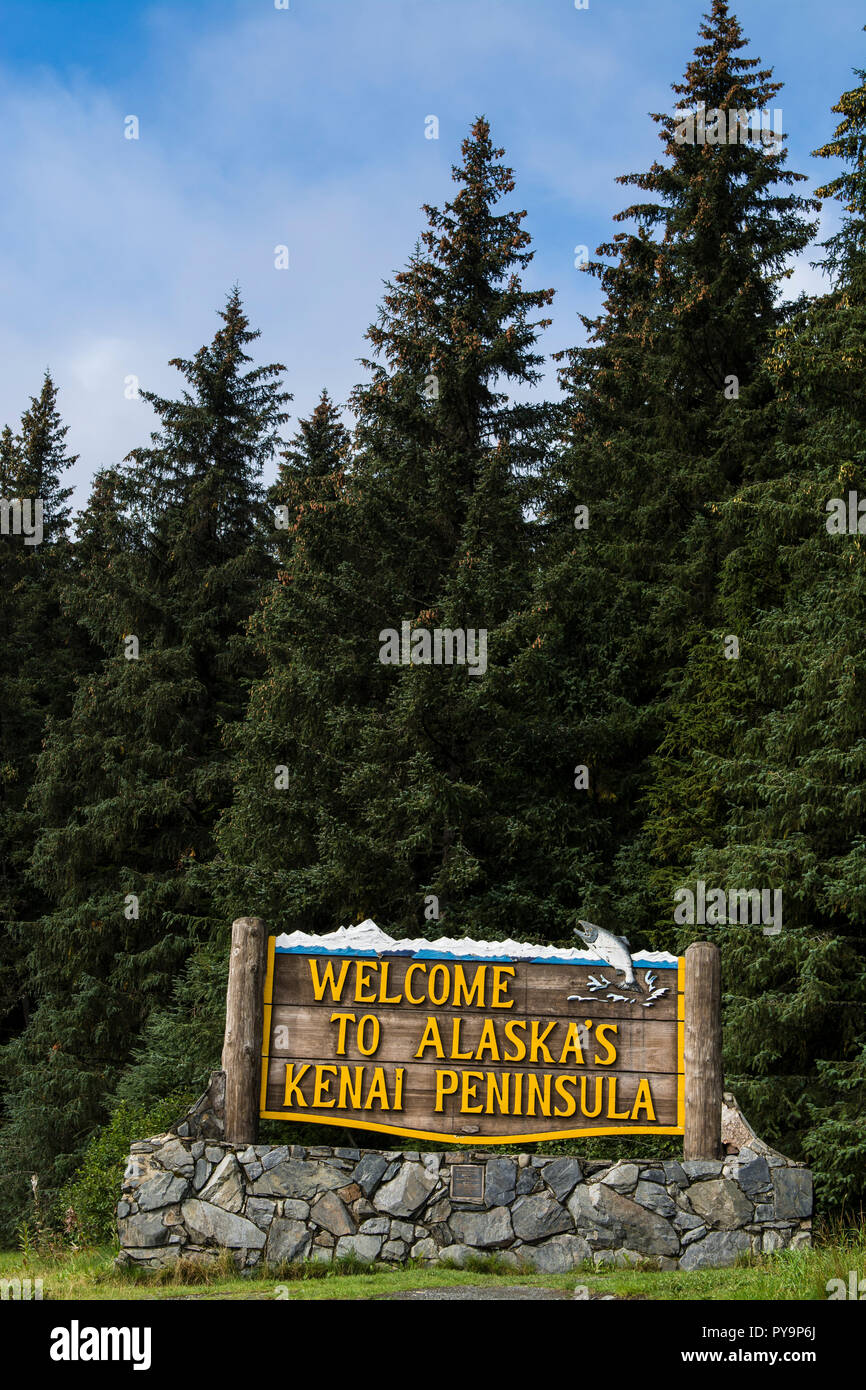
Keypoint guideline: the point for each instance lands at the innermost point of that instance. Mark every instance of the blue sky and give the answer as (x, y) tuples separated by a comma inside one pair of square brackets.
[(305, 127)]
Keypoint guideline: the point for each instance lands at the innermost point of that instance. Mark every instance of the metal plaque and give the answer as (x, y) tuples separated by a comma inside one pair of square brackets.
[(467, 1182)]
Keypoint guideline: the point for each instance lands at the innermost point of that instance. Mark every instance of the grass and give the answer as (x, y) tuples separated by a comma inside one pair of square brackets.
[(90, 1275)]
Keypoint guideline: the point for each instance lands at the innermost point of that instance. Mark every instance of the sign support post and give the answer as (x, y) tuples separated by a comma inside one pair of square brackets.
[(703, 1052), (242, 1048)]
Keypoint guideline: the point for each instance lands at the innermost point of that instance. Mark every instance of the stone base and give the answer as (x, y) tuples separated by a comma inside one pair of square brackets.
[(192, 1194)]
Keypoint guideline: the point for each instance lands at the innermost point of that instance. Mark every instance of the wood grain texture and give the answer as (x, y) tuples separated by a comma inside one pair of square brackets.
[(519, 1058), (702, 1136), (242, 1046)]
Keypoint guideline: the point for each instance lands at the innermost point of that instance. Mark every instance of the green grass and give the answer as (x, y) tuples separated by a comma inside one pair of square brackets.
[(799, 1275)]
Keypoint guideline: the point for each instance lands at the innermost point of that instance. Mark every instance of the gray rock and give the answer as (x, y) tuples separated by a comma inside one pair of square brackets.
[(793, 1192), (145, 1228), (765, 1211), (528, 1180), (376, 1226), (159, 1191), (621, 1177), (687, 1221), (402, 1230), (292, 1178), (177, 1158), (287, 1240), (754, 1177), (440, 1210), (369, 1172), (320, 1256), (123, 1209), (214, 1154), (702, 1168), (364, 1248), (406, 1192), (207, 1223), (697, 1233), (261, 1210), (483, 1229), (346, 1153), (412, 1156), (607, 1219), (394, 1250), (200, 1177), (537, 1218), (653, 1195), (523, 1160), (225, 1187), (721, 1203), (773, 1240), (247, 1155), (499, 1183), (425, 1249), (331, 1213), (674, 1173), (558, 1255), (272, 1157), (562, 1177), (295, 1209), (432, 1162), (716, 1250), (197, 1149), (253, 1170), (652, 1175)]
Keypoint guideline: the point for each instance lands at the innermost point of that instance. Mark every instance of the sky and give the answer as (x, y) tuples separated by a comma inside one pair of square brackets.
[(304, 127)]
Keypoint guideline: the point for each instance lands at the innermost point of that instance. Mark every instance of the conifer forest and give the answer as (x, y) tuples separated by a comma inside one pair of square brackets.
[(487, 647)]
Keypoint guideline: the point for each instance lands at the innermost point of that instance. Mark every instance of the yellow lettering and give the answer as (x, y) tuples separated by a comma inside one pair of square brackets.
[(319, 985), (570, 1103), (375, 1029), (469, 1093), (511, 1025), (383, 988), (438, 972), (571, 1046), (600, 1031), (378, 1091), (488, 1042), (457, 1056), (517, 1102), (341, 1020), (611, 1101), (362, 982), (599, 1096), (293, 1084), (398, 1088), (431, 1038), (406, 983), (536, 1041), (350, 1090), (643, 1100), (500, 987), (538, 1089), (443, 1089), (321, 1087), (497, 1086), (461, 989)]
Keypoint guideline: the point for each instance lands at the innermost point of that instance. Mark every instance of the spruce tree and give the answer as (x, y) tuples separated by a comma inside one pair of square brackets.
[(760, 779), (129, 786), (400, 786)]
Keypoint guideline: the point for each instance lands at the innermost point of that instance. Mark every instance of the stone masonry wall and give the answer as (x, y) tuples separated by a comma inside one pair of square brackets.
[(193, 1196)]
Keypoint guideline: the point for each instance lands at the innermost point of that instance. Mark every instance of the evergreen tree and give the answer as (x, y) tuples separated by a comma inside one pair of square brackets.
[(690, 306), (130, 785), (760, 778), (401, 787)]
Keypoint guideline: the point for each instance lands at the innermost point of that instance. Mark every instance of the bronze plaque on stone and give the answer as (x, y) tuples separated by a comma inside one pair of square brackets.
[(467, 1182)]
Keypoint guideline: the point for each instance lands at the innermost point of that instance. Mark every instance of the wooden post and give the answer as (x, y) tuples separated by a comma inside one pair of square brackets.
[(242, 1049), (703, 1052)]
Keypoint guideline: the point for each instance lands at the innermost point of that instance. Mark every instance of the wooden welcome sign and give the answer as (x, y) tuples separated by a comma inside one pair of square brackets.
[(479, 1042)]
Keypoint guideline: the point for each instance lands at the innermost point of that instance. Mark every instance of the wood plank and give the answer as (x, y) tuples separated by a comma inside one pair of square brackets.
[(642, 1044)]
